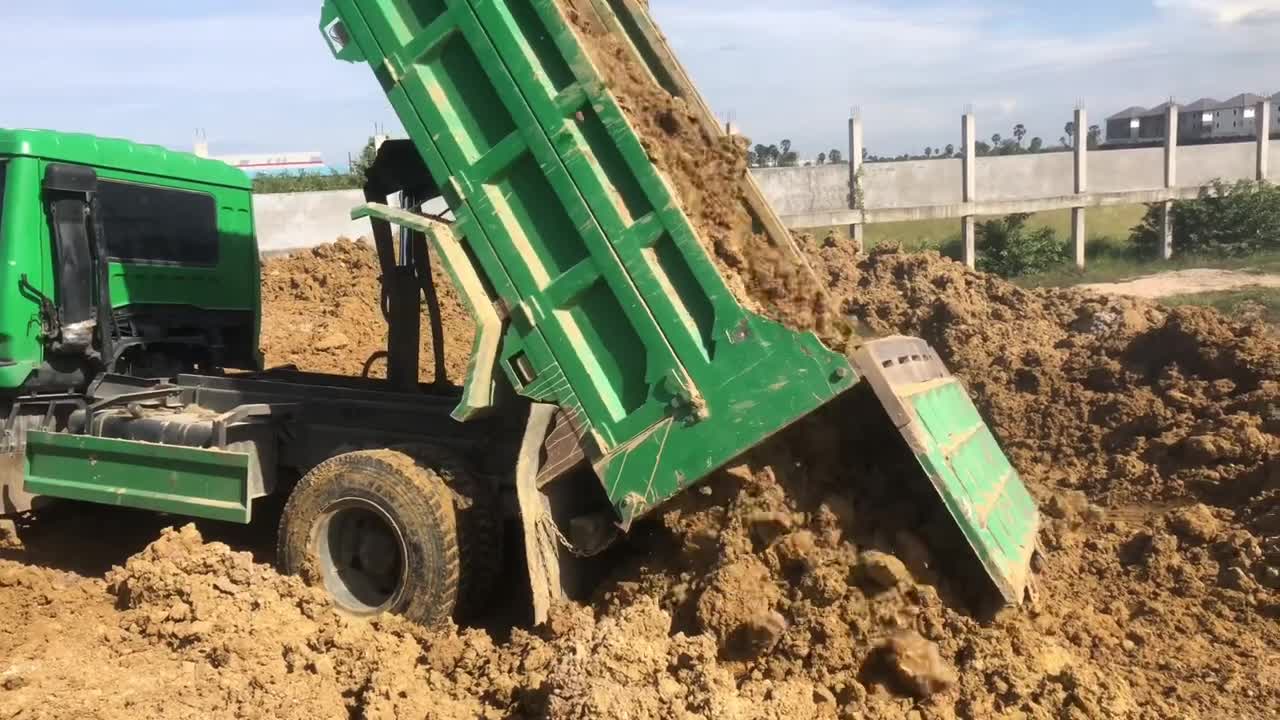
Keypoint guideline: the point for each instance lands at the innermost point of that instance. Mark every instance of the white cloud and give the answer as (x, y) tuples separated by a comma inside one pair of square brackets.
[(795, 69), (1226, 12)]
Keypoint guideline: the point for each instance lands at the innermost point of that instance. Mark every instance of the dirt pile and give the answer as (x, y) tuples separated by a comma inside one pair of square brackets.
[(321, 311), (802, 583)]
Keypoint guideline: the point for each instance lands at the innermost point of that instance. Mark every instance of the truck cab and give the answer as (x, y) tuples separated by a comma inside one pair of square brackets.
[(120, 257)]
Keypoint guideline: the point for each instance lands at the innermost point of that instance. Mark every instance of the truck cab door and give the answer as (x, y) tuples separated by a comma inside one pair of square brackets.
[(69, 192)]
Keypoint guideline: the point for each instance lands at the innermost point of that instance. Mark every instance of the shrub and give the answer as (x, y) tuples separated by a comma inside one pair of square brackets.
[(1227, 220), (1008, 249)]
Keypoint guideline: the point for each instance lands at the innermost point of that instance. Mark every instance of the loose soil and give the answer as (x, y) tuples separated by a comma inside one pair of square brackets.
[(802, 583), (810, 580), (321, 313)]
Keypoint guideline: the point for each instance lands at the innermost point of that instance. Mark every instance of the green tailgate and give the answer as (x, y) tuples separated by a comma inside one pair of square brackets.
[(962, 459)]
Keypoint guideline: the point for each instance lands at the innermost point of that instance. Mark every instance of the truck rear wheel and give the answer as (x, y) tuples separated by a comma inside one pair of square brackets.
[(379, 532)]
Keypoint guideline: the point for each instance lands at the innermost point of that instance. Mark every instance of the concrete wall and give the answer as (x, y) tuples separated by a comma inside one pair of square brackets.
[(1120, 170), (289, 221), (802, 195), (1201, 164), (912, 183), (1024, 177), (802, 190)]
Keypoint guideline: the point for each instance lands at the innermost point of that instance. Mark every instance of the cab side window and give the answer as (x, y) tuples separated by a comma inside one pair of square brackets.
[(154, 225)]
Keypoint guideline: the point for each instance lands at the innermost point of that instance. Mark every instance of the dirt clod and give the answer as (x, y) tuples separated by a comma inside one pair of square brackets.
[(917, 664)]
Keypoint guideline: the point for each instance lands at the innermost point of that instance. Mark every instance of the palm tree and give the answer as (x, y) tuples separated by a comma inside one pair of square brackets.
[(822, 158), (1019, 132)]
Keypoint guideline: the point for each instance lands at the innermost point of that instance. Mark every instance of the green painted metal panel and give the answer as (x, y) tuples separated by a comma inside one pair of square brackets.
[(615, 309), (119, 154), (26, 247), (961, 457), (186, 481), (24, 250)]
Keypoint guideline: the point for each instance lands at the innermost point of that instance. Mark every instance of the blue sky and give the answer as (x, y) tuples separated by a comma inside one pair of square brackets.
[(257, 77)]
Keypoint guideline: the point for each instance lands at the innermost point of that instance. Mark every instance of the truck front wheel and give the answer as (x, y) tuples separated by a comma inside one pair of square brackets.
[(379, 532)]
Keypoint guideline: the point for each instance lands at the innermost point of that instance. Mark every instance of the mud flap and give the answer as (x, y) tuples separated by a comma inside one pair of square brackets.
[(964, 462)]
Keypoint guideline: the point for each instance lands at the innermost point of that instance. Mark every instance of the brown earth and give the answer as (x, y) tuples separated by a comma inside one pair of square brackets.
[(320, 312), (706, 171), (803, 583), (807, 581)]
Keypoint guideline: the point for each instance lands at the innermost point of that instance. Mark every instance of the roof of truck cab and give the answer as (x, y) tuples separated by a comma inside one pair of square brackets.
[(116, 154)]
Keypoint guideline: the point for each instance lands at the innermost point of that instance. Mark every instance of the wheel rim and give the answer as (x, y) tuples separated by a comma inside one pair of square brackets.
[(361, 556)]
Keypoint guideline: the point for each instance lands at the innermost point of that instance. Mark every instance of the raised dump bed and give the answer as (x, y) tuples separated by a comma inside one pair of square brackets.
[(592, 286)]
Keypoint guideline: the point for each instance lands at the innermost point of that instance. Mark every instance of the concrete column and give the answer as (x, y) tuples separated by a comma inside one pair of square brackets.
[(1263, 120), (1170, 177), (968, 227), (855, 168), (1078, 226), (968, 137)]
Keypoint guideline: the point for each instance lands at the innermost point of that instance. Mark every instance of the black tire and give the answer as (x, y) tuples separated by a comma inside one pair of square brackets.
[(378, 531), (480, 527)]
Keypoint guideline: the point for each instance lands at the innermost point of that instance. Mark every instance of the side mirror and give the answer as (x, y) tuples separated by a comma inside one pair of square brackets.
[(71, 178)]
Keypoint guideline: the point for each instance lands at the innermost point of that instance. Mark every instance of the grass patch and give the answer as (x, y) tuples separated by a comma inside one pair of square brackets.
[(1248, 302), (1109, 225), (1105, 268)]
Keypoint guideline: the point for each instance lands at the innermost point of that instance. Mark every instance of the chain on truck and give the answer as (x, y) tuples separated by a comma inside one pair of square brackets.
[(611, 370)]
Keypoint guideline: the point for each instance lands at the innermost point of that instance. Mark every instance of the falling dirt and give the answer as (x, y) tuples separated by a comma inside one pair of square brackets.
[(707, 170), (807, 581), (321, 312)]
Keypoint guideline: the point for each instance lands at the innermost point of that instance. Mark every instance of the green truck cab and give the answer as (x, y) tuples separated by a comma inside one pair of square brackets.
[(179, 290)]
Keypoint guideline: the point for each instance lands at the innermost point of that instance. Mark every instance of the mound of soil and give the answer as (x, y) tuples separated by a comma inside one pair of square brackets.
[(804, 582), (321, 311)]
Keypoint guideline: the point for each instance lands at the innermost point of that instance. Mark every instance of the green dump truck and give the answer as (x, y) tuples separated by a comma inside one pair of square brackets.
[(612, 368)]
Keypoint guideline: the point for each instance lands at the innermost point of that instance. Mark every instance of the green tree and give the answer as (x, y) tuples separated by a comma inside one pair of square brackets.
[(1095, 137), (1008, 249), (361, 163), (1019, 132), (950, 150), (995, 140), (822, 158), (762, 156), (1226, 220), (835, 157), (1037, 145), (1068, 138)]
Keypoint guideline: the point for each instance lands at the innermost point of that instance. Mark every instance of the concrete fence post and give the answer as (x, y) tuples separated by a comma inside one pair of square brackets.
[(1170, 176), (1263, 120), (1078, 227), (969, 137), (855, 170)]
